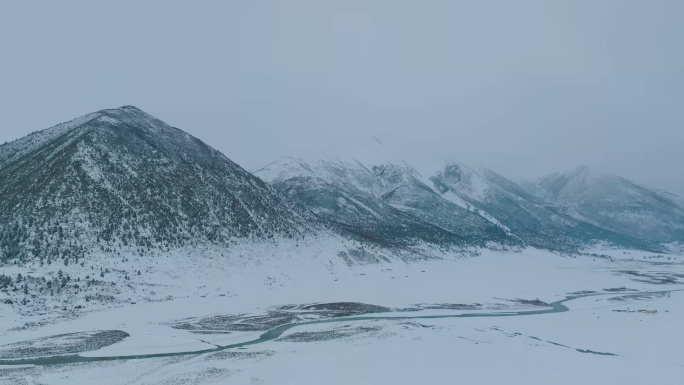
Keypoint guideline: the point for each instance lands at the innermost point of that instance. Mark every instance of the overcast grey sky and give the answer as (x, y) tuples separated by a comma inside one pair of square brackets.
[(522, 87)]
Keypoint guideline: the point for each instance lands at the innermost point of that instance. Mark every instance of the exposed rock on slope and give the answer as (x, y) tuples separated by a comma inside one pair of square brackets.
[(371, 190), (537, 222), (383, 202)]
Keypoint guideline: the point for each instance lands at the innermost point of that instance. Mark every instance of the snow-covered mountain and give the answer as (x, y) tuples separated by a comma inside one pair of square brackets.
[(379, 187), (534, 220), (99, 210), (614, 203), (122, 179), (370, 190)]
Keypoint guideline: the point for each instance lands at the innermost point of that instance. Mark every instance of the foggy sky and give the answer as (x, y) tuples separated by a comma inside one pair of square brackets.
[(522, 87)]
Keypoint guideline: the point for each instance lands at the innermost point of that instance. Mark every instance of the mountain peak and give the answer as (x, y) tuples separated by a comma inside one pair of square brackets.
[(129, 107), (614, 203), (127, 119), (123, 177), (580, 170), (585, 171)]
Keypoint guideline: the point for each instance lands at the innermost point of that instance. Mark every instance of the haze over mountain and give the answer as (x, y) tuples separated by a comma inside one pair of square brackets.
[(385, 202), (481, 205), (615, 203), (118, 211), (456, 241), (601, 85), (121, 179)]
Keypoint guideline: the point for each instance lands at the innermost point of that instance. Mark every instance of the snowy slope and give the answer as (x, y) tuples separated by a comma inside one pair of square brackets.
[(431, 185), (370, 190), (92, 209), (534, 220), (614, 203), (121, 179)]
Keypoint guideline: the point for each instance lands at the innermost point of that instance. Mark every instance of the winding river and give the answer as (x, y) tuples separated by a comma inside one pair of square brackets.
[(555, 307)]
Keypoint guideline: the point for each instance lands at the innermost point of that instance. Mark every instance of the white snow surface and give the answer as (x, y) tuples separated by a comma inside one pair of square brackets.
[(642, 333)]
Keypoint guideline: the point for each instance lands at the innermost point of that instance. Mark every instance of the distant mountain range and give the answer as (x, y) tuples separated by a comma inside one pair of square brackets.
[(121, 180), (365, 187), (614, 203)]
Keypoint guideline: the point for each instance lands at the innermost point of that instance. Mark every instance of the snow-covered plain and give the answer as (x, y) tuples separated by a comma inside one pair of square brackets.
[(627, 332)]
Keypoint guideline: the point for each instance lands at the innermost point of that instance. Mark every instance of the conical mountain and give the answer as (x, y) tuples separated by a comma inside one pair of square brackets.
[(121, 178)]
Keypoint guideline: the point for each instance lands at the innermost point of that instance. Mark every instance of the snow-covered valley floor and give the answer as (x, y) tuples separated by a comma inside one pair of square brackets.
[(624, 327)]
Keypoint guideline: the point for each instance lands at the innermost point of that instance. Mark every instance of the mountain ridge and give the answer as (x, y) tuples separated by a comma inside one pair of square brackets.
[(615, 203), (519, 213), (91, 206), (164, 186), (123, 178)]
